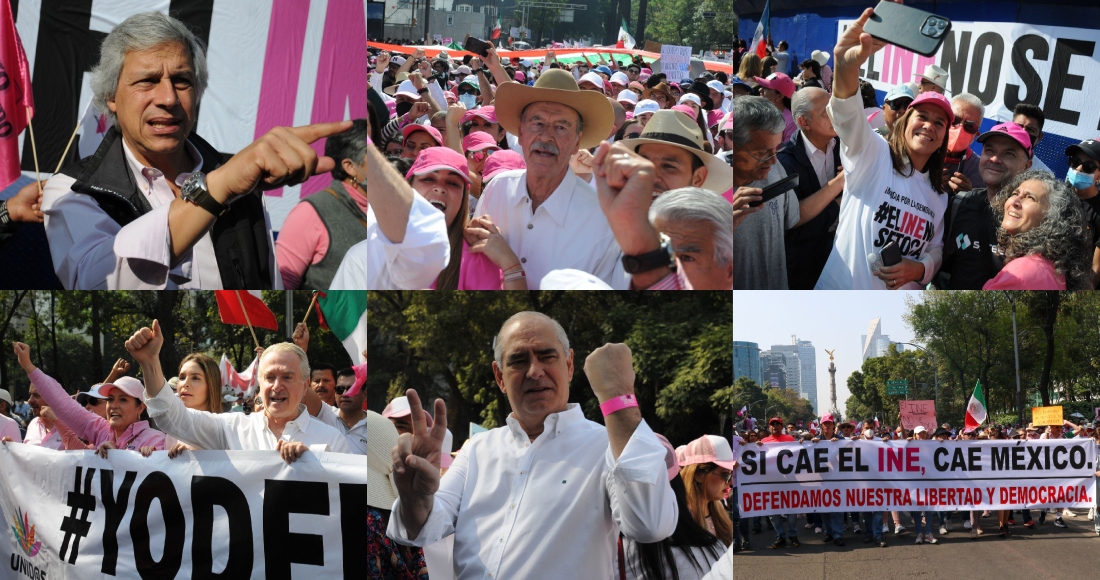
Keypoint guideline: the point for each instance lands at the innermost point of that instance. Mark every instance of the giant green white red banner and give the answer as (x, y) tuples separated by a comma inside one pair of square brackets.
[(856, 476), (204, 514)]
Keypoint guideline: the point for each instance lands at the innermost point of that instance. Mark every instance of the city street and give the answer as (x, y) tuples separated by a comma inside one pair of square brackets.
[(1045, 552)]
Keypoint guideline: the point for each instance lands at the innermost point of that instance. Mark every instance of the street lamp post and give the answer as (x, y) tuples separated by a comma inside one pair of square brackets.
[(935, 367), (1016, 350)]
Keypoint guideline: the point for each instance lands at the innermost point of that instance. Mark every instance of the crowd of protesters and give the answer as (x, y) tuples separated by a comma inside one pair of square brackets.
[(876, 527), (552, 494), (901, 175), (294, 408), (491, 173), (158, 207)]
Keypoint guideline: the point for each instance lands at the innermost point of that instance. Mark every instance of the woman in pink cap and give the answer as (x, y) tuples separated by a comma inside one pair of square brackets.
[(123, 428), (894, 192), (706, 465), (480, 256)]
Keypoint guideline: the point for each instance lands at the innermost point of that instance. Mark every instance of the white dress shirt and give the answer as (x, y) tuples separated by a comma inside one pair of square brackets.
[(567, 231), (37, 434), (236, 430), (412, 264), (91, 251), (822, 161), (355, 435), (547, 509)]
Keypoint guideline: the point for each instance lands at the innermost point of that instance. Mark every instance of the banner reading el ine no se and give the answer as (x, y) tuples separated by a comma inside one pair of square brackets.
[(855, 476), (235, 514)]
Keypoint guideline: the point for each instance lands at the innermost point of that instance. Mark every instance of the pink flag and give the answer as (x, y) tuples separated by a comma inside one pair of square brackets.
[(16, 98), (360, 379)]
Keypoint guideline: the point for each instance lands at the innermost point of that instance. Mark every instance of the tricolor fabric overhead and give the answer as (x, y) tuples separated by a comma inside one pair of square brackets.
[(975, 411), (242, 381), (763, 32), (245, 307), (625, 40), (345, 313)]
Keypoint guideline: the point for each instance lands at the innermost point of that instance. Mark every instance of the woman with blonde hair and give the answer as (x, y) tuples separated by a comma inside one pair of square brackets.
[(706, 466), (751, 67)]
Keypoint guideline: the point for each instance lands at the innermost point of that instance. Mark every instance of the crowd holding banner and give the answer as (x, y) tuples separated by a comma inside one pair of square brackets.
[(589, 168)]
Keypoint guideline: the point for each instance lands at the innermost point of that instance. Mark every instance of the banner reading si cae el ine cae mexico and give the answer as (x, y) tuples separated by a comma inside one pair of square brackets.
[(855, 476), (235, 514)]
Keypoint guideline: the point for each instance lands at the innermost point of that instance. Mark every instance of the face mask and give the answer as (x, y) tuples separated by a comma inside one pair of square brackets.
[(1079, 180), (403, 107), (469, 100), (958, 140)]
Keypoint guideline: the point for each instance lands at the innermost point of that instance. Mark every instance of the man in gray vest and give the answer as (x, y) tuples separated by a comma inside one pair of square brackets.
[(319, 230)]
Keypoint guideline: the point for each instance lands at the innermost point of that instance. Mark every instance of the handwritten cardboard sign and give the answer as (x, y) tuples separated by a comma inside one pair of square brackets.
[(915, 413), (1047, 415)]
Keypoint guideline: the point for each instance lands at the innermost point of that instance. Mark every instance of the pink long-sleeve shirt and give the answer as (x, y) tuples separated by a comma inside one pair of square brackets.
[(309, 244), (88, 425)]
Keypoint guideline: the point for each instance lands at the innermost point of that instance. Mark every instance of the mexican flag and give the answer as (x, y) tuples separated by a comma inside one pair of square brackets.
[(975, 411), (763, 32), (625, 40), (496, 30), (345, 313)]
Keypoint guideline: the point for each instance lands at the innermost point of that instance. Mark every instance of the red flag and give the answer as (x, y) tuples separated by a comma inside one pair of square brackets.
[(230, 302), (16, 98)]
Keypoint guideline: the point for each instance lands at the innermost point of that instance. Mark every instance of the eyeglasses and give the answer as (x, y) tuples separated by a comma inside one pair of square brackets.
[(480, 156), (899, 105), (632, 135), (1086, 166), (968, 126), (726, 476), (764, 160), (341, 390), (467, 92)]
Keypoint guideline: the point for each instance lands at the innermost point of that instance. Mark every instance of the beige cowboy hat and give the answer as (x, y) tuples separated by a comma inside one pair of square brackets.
[(557, 86), (381, 439), (676, 129)]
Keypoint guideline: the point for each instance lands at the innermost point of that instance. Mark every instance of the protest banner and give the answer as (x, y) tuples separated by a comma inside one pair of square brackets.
[(675, 61), (238, 514), (854, 476), (1041, 416), (1006, 63), (915, 413)]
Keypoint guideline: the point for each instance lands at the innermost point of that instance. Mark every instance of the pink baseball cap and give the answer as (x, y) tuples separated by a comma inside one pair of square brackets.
[(451, 97), (409, 129), (399, 407), (707, 449), (1011, 130), (685, 110), (477, 141), (505, 160), (488, 113), (436, 159), (933, 98), (715, 117), (779, 82), (129, 385), (828, 418), (520, 77)]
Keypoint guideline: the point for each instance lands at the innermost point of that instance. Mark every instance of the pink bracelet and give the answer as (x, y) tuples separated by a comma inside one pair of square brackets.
[(618, 404)]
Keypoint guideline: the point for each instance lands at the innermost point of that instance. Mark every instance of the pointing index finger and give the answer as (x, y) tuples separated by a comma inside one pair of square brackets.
[(311, 133)]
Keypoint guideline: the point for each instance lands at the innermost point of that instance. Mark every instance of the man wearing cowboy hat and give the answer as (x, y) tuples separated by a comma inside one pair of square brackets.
[(549, 216), (934, 79)]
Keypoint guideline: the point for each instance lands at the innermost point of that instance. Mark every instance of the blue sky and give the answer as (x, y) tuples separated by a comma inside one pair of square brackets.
[(829, 319)]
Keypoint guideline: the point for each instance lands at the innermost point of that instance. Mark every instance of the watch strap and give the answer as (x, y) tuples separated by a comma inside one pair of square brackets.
[(199, 195), (618, 404)]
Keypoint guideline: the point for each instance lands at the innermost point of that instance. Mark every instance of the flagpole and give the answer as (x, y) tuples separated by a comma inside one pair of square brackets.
[(310, 309), (249, 322), (72, 138), (34, 150)]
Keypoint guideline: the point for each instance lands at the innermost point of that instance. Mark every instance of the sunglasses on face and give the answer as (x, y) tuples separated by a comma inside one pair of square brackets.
[(968, 126), (726, 476), (632, 135), (341, 390), (900, 105), (467, 92), (480, 156), (1086, 166)]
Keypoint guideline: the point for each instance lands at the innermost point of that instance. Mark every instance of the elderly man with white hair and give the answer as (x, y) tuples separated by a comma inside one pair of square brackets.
[(284, 425), (156, 206)]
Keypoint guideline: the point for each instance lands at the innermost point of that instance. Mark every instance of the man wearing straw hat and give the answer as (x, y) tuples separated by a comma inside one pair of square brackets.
[(549, 216), (674, 144), (156, 206)]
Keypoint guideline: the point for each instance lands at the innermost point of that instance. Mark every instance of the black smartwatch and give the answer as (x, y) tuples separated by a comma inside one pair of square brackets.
[(658, 258), (194, 191)]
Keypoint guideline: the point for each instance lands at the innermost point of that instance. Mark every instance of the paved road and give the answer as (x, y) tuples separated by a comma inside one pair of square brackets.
[(1045, 552)]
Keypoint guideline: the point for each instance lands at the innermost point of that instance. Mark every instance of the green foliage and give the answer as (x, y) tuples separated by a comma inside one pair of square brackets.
[(441, 345), (868, 386), (681, 22)]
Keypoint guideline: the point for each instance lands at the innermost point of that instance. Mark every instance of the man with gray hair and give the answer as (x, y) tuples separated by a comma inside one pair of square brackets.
[(156, 206), (960, 168), (284, 425), (547, 495), (814, 154), (760, 261)]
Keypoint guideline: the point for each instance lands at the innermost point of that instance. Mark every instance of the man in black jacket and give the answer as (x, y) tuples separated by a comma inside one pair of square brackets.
[(156, 206), (814, 155)]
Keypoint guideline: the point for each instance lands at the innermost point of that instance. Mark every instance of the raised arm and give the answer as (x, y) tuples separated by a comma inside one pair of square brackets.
[(144, 346), (79, 419)]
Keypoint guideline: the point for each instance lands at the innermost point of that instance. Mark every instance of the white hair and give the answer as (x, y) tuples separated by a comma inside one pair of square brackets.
[(971, 100), (289, 347), (142, 32), (498, 343), (694, 204), (802, 104)]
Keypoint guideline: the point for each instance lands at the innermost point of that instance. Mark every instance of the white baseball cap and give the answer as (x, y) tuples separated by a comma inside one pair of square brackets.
[(627, 97), (620, 78), (646, 106), (716, 85), (691, 97)]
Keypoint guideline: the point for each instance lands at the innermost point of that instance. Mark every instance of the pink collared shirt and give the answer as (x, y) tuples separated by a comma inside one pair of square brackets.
[(88, 425), (10, 428), (309, 242), (38, 434)]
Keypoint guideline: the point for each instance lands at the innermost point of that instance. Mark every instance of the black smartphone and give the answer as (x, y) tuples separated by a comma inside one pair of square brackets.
[(890, 254), (477, 46), (777, 189), (914, 30)]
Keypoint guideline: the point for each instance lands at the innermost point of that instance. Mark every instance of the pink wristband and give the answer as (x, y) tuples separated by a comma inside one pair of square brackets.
[(618, 404)]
